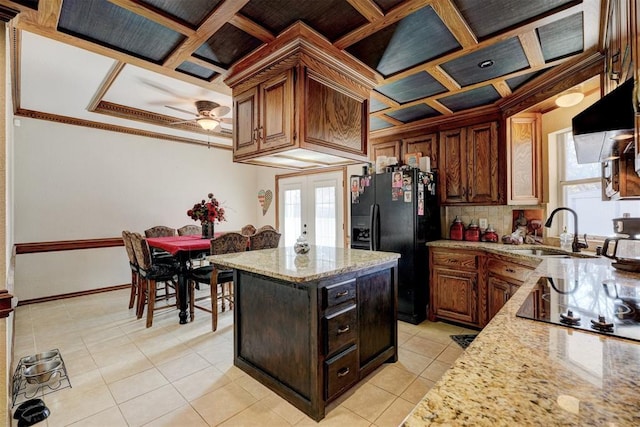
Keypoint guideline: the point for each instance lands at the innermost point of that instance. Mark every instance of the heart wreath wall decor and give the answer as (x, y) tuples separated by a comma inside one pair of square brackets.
[(265, 198)]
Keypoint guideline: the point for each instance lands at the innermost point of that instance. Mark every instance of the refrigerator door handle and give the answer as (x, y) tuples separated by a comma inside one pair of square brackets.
[(374, 227)]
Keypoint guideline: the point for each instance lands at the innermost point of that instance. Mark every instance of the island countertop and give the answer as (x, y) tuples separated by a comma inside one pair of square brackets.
[(320, 262), (524, 372)]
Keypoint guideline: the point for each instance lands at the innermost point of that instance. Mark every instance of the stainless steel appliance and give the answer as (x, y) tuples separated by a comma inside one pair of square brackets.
[(624, 249), (609, 307), (398, 212)]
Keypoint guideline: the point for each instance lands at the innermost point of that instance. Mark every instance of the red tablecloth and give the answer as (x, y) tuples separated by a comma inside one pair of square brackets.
[(175, 244)]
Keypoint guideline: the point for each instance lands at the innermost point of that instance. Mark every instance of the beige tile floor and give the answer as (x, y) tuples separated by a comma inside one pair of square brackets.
[(123, 374)]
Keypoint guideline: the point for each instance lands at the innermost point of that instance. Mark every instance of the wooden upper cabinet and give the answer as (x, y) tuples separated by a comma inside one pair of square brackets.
[(427, 145), (276, 111), (524, 154), (388, 148), (453, 170), (245, 126), (619, 37), (468, 161)]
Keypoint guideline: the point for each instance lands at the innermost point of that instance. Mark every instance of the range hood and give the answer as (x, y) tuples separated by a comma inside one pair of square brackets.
[(597, 130)]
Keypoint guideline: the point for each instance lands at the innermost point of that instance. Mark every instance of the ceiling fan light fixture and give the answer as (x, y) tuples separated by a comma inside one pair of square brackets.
[(569, 99), (207, 123)]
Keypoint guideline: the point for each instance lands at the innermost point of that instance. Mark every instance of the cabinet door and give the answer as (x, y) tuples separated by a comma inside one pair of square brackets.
[(453, 166), (454, 295), (482, 163), (389, 149), (498, 293), (276, 112), (245, 122), (426, 144), (524, 180), (376, 315)]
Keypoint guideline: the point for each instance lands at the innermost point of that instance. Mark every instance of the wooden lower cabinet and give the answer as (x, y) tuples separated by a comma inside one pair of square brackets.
[(310, 342), (471, 286)]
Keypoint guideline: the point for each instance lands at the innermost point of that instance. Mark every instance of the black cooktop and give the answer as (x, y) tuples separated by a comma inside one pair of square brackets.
[(604, 307)]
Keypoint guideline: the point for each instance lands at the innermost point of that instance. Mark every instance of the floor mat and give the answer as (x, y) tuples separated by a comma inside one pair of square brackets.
[(463, 340)]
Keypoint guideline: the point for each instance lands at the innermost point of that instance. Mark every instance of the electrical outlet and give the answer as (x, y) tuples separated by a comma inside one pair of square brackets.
[(482, 223)]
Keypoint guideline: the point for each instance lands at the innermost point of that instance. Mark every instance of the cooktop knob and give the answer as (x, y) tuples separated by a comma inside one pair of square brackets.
[(601, 324)]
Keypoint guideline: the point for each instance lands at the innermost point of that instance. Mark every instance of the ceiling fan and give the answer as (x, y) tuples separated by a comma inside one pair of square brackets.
[(209, 115)]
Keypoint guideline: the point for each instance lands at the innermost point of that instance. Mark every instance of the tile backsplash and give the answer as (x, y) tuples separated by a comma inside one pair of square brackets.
[(500, 217)]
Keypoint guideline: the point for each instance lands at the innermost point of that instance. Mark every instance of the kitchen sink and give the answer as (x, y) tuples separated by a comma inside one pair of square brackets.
[(541, 252)]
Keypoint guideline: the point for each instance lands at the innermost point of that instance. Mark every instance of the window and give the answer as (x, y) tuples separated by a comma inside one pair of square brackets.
[(580, 188)]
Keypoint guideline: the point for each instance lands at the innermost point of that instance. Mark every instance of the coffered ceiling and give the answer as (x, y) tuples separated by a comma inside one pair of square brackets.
[(433, 58)]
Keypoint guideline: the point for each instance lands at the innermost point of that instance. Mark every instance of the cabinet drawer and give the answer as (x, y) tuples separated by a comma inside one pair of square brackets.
[(508, 269), (338, 293), (340, 329), (340, 372), (453, 259)]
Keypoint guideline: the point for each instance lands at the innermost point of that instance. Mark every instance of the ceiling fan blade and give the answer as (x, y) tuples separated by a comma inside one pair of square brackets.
[(220, 111), (225, 120), (181, 110), (183, 121)]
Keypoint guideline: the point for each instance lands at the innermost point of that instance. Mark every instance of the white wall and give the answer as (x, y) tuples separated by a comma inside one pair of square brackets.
[(73, 182)]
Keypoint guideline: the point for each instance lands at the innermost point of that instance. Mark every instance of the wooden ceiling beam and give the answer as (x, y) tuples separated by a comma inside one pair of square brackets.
[(531, 47), (394, 15), (384, 99), (207, 65), (48, 13), (502, 88), (391, 120), (158, 17), (250, 27), (223, 14), (443, 78), (367, 8), (436, 105), (456, 23)]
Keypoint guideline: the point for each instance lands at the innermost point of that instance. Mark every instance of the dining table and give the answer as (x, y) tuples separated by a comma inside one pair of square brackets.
[(183, 248)]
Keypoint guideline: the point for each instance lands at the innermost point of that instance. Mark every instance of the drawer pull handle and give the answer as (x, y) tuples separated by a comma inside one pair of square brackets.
[(342, 294), (343, 329), (510, 270), (343, 372)]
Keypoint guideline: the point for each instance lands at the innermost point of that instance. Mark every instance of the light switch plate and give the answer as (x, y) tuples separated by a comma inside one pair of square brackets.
[(482, 222)]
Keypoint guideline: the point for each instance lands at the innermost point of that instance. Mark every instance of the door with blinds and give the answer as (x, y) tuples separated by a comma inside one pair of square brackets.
[(312, 205)]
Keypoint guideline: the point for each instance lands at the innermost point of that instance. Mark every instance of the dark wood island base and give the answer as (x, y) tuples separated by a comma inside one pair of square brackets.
[(312, 338)]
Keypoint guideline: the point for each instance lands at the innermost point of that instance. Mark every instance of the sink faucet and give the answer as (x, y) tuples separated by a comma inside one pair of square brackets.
[(575, 245)]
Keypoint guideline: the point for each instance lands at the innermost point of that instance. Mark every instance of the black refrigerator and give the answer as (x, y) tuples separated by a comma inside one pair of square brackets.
[(398, 212)]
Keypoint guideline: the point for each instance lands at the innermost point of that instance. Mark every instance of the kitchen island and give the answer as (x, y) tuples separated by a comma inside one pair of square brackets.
[(311, 326), (524, 372)]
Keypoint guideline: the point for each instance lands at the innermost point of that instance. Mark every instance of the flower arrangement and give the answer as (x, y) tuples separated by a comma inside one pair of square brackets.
[(207, 211)]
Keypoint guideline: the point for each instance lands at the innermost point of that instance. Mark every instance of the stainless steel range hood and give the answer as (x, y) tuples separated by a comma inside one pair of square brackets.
[(597, 129)]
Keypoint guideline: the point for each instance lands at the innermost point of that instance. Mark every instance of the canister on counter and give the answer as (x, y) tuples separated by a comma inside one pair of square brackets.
[(472, 233), (456, 232)]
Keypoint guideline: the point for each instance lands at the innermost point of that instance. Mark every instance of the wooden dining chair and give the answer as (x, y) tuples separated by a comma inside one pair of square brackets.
[(190, 230), (213, 276), (133, 265), (248, 230), (151, 275), (264, 239)]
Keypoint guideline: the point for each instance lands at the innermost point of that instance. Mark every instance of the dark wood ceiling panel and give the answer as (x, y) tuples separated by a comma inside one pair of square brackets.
[(376, 123), (416, 86), (413, 40), (276, 15), (196, 70), (472, 98), (413, 113), (489, 17), (106, 24), (227, 46), (32, 4), (387, 5), (515, 82), (507, 56), (562, 38), (375, 105), (191, 12)]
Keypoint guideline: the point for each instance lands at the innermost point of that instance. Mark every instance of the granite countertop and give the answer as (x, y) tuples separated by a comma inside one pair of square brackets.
[(320, 262), (523, 372)]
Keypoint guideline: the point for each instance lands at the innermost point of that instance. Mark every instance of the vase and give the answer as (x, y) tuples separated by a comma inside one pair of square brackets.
[(207, 230)]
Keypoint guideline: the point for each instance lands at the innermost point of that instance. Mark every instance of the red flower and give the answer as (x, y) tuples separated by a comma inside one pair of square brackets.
[(207, 210)]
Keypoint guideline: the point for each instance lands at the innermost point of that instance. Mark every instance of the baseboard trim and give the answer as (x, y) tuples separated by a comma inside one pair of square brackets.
[(74, 294)]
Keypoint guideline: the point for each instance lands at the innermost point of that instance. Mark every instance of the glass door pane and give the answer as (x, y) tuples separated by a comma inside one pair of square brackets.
[(292, 209)]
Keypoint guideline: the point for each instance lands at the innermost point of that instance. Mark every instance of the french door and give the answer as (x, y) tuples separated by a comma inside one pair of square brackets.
[(312, 205)]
